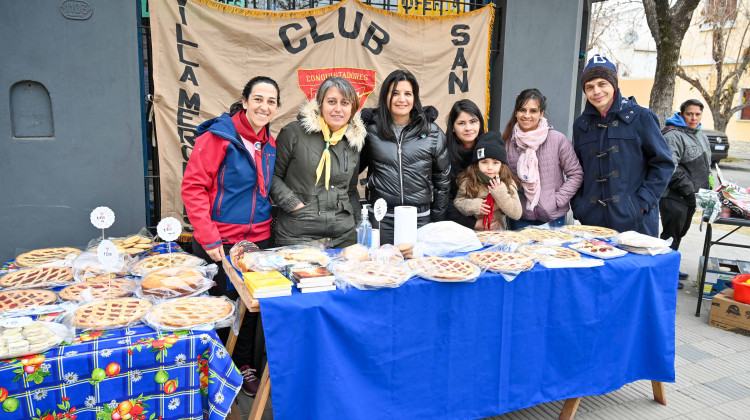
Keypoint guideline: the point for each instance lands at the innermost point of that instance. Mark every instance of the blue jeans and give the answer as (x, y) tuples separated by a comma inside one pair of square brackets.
[(521, 224)]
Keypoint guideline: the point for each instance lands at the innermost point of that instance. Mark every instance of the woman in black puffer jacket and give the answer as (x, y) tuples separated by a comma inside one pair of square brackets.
[(406, 154)]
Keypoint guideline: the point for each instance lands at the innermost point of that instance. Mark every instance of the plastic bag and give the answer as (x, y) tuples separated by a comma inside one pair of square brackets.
[(24, 336), (552, 256), (444, 269), (369, 275), (303, 253), (87, 266), (708, 200), (139, 243), (736, 200), (57, 257), (356, 252), (502, 237), (440, 238), (107, 314), (589, 231), (639, 243), (495, 260), (196, 313), (40, 277), (22, 302), (597, 248), (155, 262), (102, 288), (176, 282), (240, 253), (545, 235)]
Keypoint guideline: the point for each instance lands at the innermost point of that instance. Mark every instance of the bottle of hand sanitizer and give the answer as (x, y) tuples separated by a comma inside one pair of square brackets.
[(364, 229)]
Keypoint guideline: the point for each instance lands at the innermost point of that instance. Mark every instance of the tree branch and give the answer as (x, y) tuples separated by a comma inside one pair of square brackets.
[(694, 82)]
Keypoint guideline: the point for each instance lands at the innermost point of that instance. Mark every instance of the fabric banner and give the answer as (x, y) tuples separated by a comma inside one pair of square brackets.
[(204, 53)]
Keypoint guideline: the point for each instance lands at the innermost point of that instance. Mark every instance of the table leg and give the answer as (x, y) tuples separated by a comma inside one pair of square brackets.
[(706, 253), (660, 394), (570, 408), (232, 339), (261, 398), (234, 412)]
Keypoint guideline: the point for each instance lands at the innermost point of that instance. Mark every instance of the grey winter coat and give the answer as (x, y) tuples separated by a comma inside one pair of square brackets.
[(327, 214), (691, 153)]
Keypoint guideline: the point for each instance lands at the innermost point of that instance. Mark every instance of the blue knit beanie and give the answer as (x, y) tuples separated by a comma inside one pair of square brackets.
[(599, 67)]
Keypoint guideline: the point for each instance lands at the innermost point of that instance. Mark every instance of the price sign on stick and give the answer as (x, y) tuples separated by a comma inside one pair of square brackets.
[(107, 254), (169, 229), (102, 218), (380, 209)]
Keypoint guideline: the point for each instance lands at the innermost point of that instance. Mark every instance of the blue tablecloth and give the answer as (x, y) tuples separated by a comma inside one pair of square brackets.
[(187, 375), (470, 350)]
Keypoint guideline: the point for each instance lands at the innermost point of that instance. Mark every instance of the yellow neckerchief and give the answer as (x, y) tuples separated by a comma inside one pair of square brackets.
[(331, 140)]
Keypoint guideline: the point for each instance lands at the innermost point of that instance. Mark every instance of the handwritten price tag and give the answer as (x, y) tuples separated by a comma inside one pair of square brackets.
[(107, 253), (169, 229), (18, 322), (380, 209), (102, 217)]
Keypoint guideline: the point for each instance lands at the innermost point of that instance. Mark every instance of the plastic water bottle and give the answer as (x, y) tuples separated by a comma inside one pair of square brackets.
[(364, 229)]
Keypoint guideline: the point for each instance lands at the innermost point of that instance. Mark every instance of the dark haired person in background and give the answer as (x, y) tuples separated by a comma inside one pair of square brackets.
[(691, 153)]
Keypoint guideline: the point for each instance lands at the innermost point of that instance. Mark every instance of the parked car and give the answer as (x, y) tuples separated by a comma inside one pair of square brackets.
[(719, 145)]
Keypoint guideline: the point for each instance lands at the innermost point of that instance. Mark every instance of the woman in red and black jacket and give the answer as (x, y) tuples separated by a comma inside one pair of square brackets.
[(225, 192)]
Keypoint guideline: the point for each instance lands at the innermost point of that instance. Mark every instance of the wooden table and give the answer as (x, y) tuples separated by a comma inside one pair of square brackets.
[(249, 304)]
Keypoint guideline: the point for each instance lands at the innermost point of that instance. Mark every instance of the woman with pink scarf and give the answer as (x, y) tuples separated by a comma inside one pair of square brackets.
[(543, 159)]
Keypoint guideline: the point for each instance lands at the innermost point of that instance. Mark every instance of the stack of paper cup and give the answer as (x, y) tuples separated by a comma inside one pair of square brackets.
[(405, 225)]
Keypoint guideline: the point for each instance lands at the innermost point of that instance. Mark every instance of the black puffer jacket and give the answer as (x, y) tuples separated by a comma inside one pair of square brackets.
[(417, 176)]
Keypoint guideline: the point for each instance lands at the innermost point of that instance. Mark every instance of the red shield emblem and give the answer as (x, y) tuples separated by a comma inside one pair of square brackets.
[(362, 80)]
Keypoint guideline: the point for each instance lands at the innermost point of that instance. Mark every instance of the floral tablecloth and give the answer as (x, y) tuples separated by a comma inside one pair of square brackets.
[(128, 373)]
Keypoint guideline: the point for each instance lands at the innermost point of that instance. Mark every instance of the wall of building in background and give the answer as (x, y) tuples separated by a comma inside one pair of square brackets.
[(70, 122)]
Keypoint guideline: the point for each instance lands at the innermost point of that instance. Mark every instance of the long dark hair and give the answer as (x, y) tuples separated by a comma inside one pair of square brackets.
[(237, 106), (521, 100), (454, 143), (473, 184), (385, 119)]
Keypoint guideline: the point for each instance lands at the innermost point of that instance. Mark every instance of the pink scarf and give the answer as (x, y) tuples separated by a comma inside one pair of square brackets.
[(528, 164)]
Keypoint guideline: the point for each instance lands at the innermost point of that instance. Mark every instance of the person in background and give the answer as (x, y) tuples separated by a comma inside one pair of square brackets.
[(488, 188), (691, 153), (225, 192), (544, 160), (625, 159), (464, 124), (406, 154), (317, 162)]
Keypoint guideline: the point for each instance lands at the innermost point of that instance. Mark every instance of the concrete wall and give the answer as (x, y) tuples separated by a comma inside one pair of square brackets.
[(94, 157), (541, 44)]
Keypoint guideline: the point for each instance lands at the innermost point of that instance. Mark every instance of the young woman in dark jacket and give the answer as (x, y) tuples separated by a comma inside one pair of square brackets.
[(464, 125), (406, 154)]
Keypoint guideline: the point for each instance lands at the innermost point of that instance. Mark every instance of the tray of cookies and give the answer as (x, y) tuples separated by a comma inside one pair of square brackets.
[(23, 336), (444, 269), (200, 312), (176, 282), (139, 243)]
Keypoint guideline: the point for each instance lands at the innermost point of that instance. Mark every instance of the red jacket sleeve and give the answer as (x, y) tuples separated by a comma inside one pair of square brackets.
[(198, 182)]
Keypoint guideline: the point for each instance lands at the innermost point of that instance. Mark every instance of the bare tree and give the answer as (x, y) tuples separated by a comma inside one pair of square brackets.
[(668, 26), (720, 89)]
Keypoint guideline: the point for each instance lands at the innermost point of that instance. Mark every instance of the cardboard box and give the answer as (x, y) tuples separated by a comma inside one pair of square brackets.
[(728, 314), (720, 273)]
